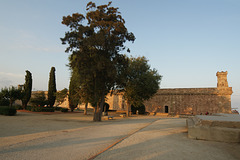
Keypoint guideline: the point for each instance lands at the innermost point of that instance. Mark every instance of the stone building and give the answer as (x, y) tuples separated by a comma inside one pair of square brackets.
[(179, 100), (185, 100)]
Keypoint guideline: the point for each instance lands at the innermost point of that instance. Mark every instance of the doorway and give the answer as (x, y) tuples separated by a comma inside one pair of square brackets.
[(166, 109)]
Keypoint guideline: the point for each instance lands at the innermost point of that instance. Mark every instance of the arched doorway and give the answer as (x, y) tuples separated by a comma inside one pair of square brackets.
[(166, 109), (105, 107)]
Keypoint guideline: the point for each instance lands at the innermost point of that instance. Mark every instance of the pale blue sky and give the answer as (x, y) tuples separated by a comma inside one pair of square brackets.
[(187, 41)]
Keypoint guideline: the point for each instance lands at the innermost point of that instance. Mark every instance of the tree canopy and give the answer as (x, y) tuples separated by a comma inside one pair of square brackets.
[(39, 99), (142, 82), (61, 95), (11, 94), (95, 42), (3, 100)]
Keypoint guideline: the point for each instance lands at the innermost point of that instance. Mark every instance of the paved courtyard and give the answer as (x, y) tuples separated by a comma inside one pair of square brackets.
[(74, 136)]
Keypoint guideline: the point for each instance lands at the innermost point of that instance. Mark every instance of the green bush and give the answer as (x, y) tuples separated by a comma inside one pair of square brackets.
[(4, 102), (64, 110), (8, 111), (40, 109), (48, 109), (36, 109), (39, 99), (58, 108), (29, 108), (18, 107)]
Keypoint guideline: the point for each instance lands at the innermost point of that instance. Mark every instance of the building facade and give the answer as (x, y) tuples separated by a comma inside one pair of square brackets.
[(185, 100), (179, 100)]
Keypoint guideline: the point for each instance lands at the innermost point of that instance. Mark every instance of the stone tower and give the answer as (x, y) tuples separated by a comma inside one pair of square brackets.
[(224, 93), (222, 79)]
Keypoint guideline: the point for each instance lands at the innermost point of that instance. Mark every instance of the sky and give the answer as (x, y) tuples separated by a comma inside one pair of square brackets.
[(187, 41)]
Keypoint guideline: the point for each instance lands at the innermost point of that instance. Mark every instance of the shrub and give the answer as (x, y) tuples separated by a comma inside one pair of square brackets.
[(64, 110), (29, 108), (48, 109), (40, 109), (8, 111), (4, 102), (57, 108), (39, 99), (140, 109), (18, 107), (36, 109)]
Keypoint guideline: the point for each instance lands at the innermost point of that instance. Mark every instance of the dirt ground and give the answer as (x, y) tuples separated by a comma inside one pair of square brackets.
[(74, 136)]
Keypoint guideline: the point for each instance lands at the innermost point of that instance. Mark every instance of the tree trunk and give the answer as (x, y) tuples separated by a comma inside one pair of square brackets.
[(97, 116), (128, 109), (10, 102), (85, 110), (72, 107), (24, 106)]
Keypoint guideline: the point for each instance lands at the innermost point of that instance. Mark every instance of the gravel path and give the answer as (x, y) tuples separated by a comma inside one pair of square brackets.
[(76, 137)]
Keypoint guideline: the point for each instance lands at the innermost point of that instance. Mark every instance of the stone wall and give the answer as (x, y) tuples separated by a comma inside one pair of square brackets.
[(190, 101), (185, 100)]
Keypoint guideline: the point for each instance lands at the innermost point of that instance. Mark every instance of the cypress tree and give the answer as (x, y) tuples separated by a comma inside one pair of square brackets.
[(73, 97), (52, 87), (27, 89)]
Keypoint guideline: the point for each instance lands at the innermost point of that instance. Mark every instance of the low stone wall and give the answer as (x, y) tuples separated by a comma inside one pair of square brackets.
[(218, 127)]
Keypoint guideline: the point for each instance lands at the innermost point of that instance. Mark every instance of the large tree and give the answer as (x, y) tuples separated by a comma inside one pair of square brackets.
[(142, 82), (52, 87), (27, 89), (95, 42)]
